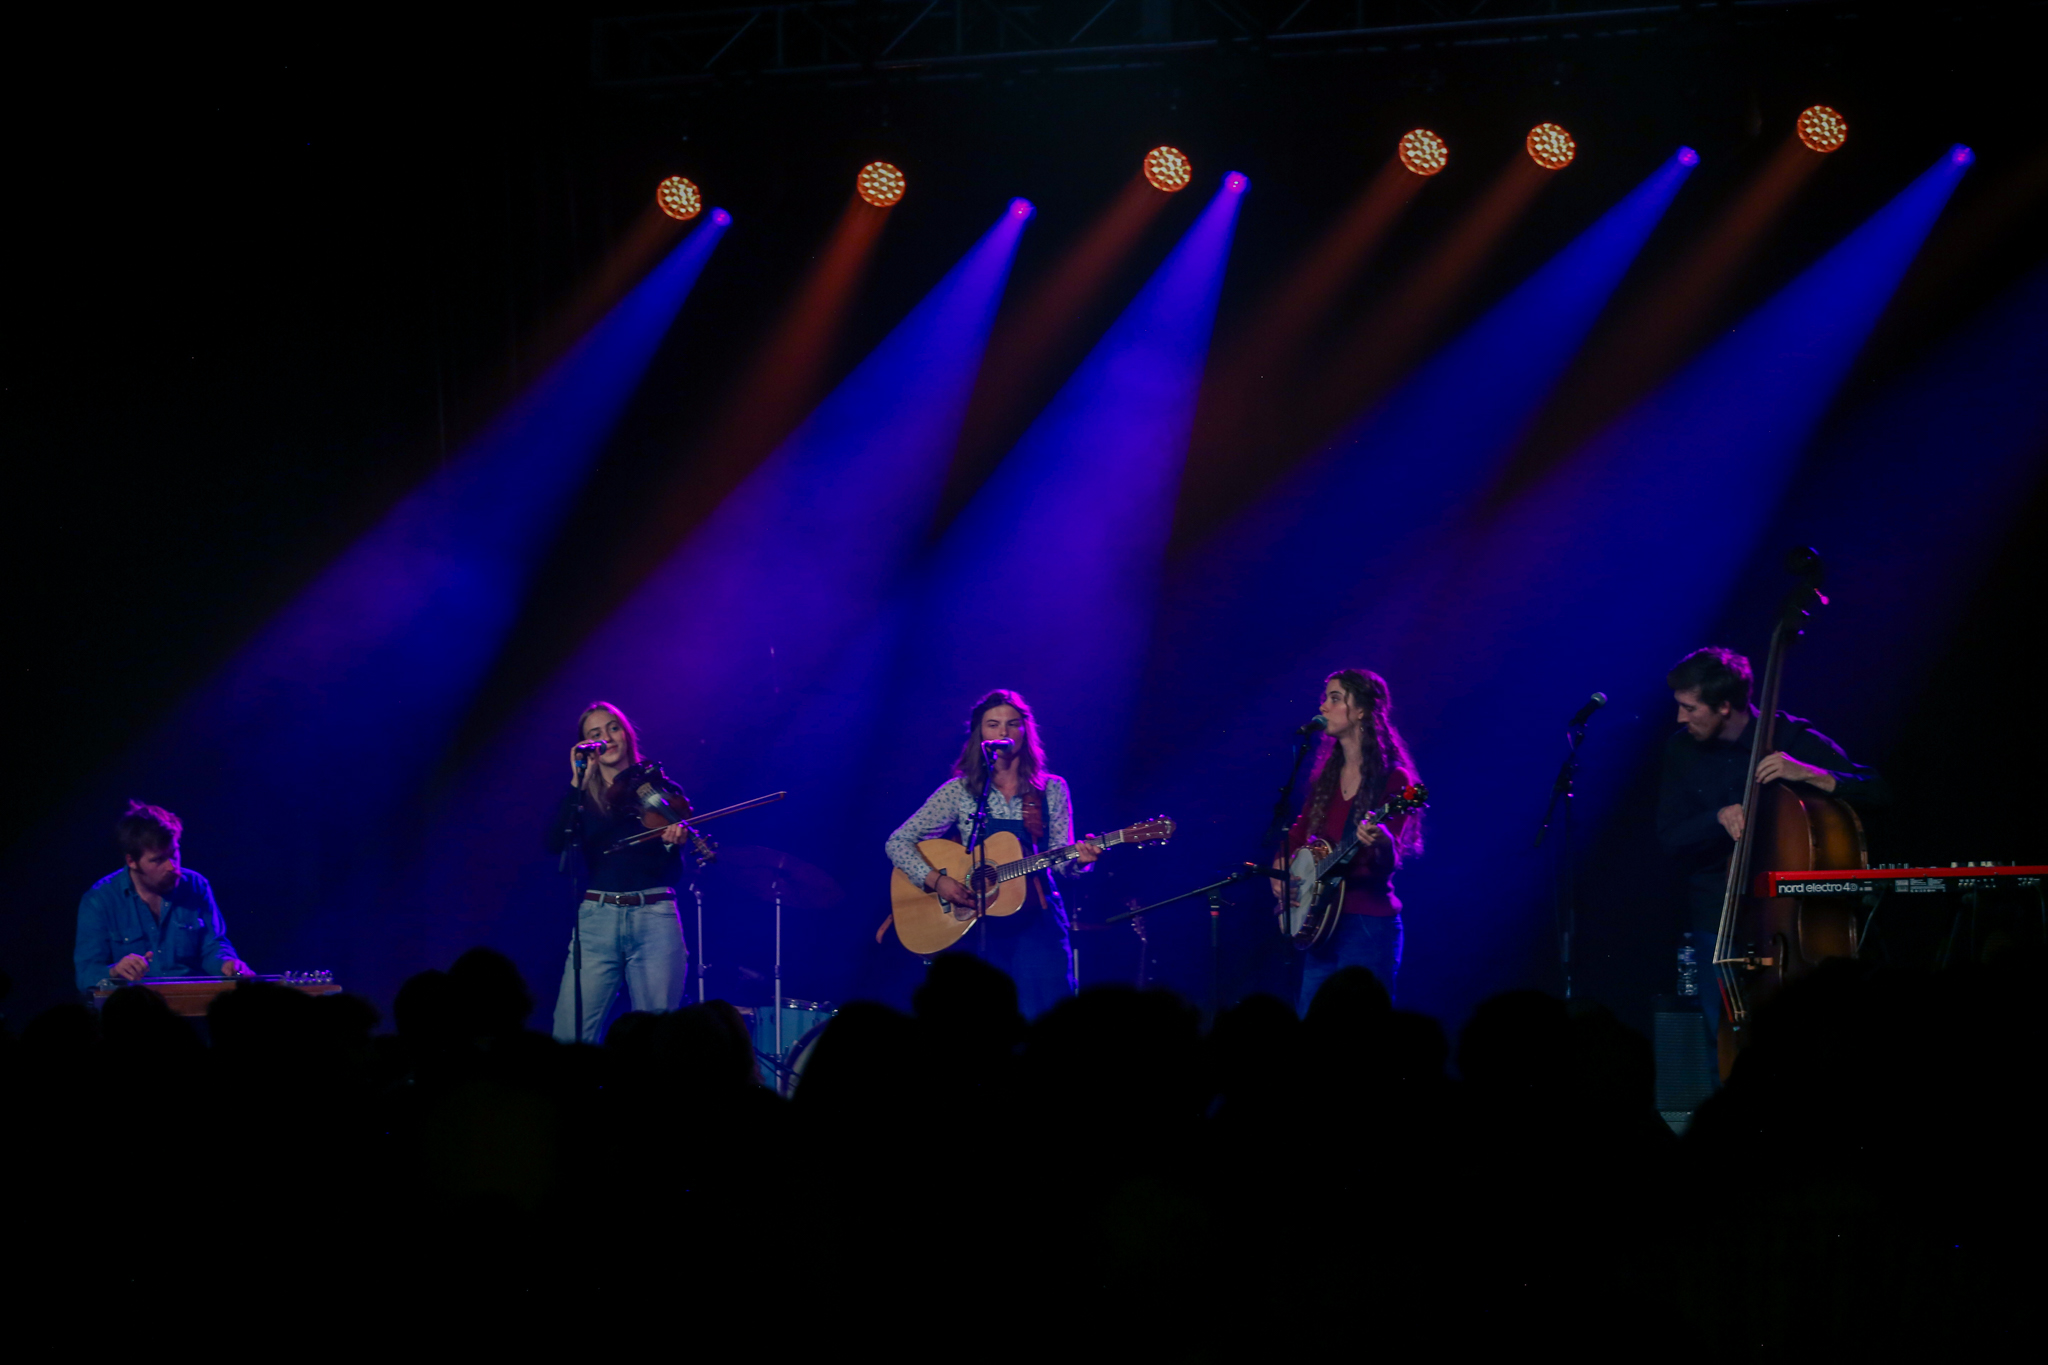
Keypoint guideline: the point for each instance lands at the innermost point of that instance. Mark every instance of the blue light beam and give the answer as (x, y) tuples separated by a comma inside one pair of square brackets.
[(376, 658), (715, 648), (1063, 545), (1618, 562)]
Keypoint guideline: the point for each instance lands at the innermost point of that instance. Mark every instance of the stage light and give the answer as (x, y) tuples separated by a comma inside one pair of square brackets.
[(1551, 147), (1022, 208), (679, 199), (1168, 169), (1961, 155), (881, 184), (1822, 129), (1688, 157), (721, 217), (1424, 153), (1236, 182)]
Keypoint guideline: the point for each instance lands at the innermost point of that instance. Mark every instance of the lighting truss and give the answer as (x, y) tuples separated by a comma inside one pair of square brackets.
[(952, 39)]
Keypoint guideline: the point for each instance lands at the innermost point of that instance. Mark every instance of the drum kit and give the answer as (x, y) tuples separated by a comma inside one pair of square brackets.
[(784, 1030)]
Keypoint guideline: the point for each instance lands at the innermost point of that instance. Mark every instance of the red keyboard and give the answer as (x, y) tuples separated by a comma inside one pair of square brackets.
[(1857, 881)]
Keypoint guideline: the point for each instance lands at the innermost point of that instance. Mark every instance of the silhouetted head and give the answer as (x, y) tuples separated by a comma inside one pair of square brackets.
[(1516, 1043), (964, 997), (490, 992)]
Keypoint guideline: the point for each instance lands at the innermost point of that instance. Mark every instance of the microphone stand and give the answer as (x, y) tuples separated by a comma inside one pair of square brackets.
[(571, 822), (1214, 891), (1564, 886), (988, 777), (1275, 838), (1277, 825)]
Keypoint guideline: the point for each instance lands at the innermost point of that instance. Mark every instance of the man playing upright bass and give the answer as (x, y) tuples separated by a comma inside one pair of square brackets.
[(1705, 777)]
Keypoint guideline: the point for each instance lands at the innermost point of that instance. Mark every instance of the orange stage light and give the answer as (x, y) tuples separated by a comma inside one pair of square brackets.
[(1551, 147), (1822, 129), (679, 199), (1424, 153), (1167, 169), (880, 184)]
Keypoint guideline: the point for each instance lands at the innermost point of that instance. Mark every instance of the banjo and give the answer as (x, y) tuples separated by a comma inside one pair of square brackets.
[(1315, 876)]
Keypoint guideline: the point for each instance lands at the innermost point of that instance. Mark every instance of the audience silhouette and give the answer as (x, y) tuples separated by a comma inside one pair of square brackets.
[(1106, 1176)]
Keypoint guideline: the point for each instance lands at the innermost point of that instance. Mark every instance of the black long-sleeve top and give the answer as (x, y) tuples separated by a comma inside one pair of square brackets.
[(1699, 779), (579, 821)]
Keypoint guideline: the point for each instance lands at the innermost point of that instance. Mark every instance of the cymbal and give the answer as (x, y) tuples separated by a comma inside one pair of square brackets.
[(767, 873)]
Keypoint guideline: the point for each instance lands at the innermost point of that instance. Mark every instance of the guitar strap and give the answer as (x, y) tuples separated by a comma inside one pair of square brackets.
[(1035, 825), (1034, 819)]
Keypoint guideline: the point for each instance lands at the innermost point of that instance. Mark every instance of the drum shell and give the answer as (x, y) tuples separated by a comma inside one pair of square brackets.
[(800, 1020)]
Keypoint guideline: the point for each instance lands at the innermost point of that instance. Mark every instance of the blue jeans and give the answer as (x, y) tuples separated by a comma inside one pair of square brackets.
[(1372, 941), (639, 945), (1031, 947)]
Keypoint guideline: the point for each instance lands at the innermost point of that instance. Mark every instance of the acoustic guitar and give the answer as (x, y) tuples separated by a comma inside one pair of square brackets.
[(925, 924), (1315, 875)]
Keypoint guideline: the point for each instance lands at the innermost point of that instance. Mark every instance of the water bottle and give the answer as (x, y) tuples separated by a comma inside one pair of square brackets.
[(1688, 968)]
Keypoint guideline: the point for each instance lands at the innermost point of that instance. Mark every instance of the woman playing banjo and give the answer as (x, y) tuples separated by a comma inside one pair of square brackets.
[(1362, 762)]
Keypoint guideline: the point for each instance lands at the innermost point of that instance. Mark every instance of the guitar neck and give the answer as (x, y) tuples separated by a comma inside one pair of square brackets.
[(1038, 862), (1349, 846)]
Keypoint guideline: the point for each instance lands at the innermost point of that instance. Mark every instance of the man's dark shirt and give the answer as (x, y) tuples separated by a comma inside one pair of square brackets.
[(644, 865), (1699, 779), (188, 938)]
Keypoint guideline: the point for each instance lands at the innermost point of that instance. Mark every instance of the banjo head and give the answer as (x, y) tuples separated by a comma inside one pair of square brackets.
[(1301, 885)]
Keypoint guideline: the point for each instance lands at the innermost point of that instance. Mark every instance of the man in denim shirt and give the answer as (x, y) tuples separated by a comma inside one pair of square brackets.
[(152, 918)]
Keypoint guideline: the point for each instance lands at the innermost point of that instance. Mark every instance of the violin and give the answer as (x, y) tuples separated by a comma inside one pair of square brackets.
[(661, 803), (1766, 940)]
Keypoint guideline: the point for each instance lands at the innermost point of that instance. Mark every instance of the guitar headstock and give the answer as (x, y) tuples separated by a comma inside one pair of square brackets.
[(1415, 796), (1157, 830)]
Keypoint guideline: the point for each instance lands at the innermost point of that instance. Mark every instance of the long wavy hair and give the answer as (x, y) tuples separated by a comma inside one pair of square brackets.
[(1031, 770), (1382, 747), (595, 783)]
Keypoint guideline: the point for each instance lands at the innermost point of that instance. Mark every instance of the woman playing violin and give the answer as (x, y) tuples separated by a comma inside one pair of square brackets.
[(628, 929)]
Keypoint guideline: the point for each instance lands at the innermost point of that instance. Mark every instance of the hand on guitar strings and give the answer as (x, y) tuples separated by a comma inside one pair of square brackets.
[(1085, 853), (954, 892)]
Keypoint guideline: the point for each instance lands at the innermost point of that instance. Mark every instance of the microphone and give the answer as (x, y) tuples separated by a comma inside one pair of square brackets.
[(592, 746), (1316, 725), (1593, 703), (992, 749)]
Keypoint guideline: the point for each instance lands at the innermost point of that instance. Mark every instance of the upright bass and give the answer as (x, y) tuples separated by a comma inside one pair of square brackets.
[(1765, 941)]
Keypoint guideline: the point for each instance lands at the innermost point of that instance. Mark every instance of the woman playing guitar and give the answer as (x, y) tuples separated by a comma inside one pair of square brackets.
[(1003, 749), (627, 928), (1362, 755)]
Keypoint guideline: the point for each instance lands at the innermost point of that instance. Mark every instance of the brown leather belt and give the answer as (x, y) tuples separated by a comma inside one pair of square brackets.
[(665, 893)]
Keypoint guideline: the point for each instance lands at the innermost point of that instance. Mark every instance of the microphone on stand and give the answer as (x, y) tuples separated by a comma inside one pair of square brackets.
[(1593, 703), (993, 749), (1316, 725)]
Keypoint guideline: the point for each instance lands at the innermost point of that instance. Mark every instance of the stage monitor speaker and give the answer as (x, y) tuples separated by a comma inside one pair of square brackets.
[(1685, 1059)]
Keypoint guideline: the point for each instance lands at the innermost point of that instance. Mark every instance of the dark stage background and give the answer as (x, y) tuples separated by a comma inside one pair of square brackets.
[(270, 285)]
